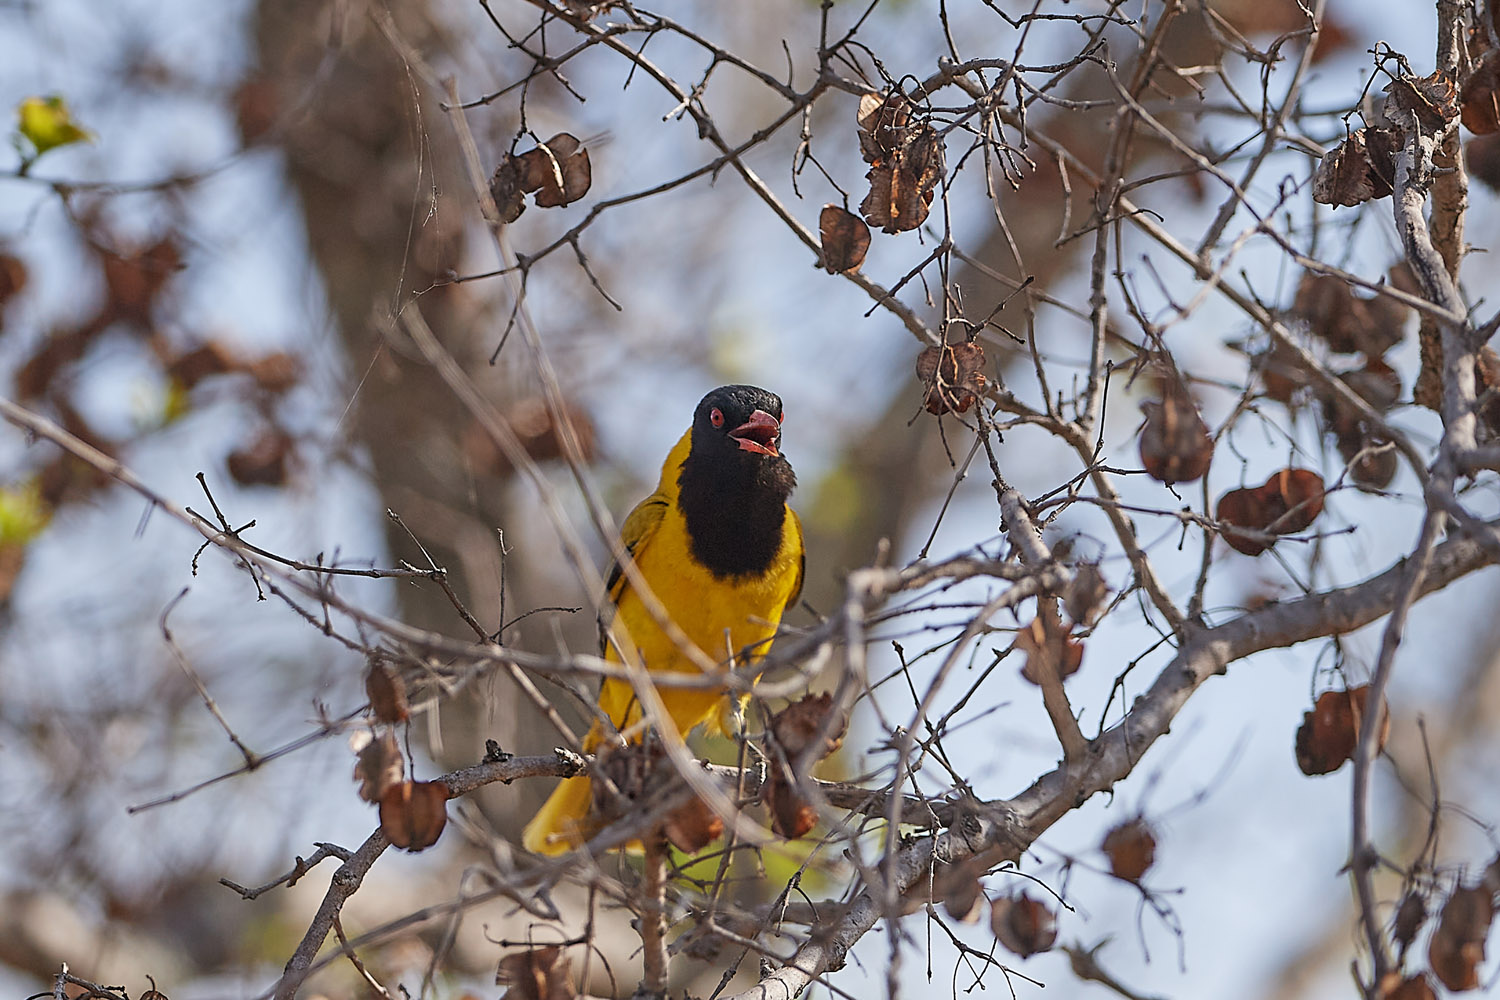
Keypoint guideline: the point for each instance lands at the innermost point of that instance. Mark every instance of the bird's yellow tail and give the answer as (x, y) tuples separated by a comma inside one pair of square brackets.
[(558, 826)]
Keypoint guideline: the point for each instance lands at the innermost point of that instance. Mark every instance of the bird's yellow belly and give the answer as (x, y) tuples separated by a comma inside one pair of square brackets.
[(731, 620)]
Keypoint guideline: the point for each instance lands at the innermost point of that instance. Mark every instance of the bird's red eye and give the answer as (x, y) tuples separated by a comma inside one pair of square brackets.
[(716, 417)]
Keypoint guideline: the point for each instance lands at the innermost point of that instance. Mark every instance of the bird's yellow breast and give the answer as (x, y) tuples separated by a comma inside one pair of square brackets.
[(731, 619)]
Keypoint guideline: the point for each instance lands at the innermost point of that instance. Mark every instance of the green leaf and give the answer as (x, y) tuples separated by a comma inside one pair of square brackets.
[(47, 123), (23, 513)]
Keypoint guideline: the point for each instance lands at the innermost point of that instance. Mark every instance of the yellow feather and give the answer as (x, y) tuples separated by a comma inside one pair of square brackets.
[(722, 617)]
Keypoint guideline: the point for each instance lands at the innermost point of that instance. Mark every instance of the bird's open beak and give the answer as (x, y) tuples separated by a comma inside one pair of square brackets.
[(760, 433)]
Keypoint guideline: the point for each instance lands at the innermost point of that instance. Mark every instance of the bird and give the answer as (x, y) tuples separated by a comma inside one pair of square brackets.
[(722, 551)]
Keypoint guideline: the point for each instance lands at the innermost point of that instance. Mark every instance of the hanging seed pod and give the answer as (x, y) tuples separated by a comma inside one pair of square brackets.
[(1175, 443)]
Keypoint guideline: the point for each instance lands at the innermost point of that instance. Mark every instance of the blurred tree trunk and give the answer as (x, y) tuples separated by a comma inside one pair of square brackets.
[(374, 161)]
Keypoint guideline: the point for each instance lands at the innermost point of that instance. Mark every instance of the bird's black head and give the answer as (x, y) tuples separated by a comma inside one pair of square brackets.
[(735, 481), (743, 418)]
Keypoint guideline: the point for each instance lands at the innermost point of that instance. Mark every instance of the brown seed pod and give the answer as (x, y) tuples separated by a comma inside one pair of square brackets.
[(952, 376), (413, 814), (692, 827), (964, 899), (845, 240), (540, 435), (387, 693), (629, 772), (1433, 98), (1175, 444), (1372, 461), (558, 171), (1482, 157), (1330, 731), (1346, 322), (379, 766), (1281, 373), (906, 161), (275, 372), (1299, 494), (1049, 648), (1457, 944), (12, 276), (1023, 925), (537, 974), (1243, 509), (265, 461), (1131, 849), (1480, 100), (1346, 175), (135, 279), (1411, 914), (1413, 987), (1087, 594), (796, 726), (792, 816)]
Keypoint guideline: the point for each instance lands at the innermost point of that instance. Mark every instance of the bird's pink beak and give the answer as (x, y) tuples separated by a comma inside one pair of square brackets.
[(760, 433)]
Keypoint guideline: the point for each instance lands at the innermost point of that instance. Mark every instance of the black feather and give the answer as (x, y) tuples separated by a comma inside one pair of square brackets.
[(734, 501)]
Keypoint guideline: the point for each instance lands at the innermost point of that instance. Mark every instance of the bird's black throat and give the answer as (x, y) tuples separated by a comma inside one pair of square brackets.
[(734, 503)]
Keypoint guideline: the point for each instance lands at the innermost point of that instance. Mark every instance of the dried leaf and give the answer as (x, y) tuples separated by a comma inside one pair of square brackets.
[(387, 693), (1086, 595), (1023, 925), (559, 171), (264, 461), (531, 421), (1343, 175), (1175, 444), (795, 727), (537, 974), (1295, 498), (256, 107), (413, 814), (1481, 103), (60, 349), (1411, 914), (952, 376), (1330, 731), (883, 123), (906, 158), (791, 815), (275, 372), (12, 278), (1049, 650), (965, 899), (1433, 98), (193, 366), (1457, 944), (1281, 373), (845, 239), (379, 765), (12, 559), (1346, 322), (1413, 987), (1482, 157), (505, 189), (1241, 509), (634, 771), (692, 827), (1131, 849), (1372, 460), (135, 279)]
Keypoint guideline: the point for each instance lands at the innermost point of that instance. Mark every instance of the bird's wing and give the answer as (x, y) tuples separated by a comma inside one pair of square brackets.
[(635, 534), (796, 525)]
